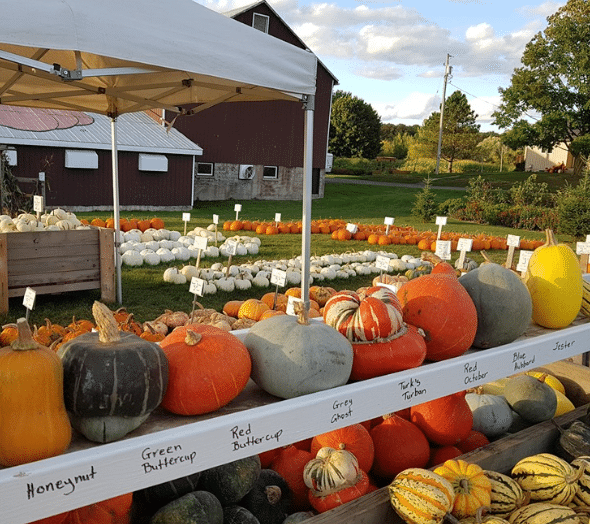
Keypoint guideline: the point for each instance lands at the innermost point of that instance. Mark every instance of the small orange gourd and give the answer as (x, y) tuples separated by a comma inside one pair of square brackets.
[(34, 423)]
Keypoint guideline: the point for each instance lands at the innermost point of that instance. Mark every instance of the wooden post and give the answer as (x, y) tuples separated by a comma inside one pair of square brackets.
[(3, 274), (107, 264)]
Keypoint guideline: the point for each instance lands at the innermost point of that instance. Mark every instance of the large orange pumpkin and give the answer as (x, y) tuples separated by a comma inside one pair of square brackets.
[(290, 462), (441, 306), (208, 368)]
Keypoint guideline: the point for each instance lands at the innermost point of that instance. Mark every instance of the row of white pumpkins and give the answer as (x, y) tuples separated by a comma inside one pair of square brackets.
[(56, 220), (162, 245), (258, 274)]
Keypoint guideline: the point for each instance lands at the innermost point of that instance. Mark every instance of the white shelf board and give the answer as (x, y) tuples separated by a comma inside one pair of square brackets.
[(167, 447)]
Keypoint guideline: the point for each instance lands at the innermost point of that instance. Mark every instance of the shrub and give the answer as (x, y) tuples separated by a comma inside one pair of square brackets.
[(451, 206), (573, 204), (425, 205), (529, 192)]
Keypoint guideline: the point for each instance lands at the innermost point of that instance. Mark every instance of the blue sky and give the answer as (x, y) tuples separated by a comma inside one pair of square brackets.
[(391, 53)]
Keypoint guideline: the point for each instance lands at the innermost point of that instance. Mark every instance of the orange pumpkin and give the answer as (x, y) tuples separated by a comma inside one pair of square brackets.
[(232, 307), (289, 462), (354, 438), (8, 334), (157, 223), (439, 305), (208, 368), (97, 222), (252, 309), (116, 510)]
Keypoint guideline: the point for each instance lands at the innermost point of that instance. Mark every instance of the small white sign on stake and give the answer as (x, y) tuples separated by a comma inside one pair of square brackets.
[(277, 218), (216, 219), (443, 249), (523, 260), (186, 217), (232, 247), (388, 223), (440, 222), (29, 300), (201, 244), (38, 205), (382, 262), (41, 176), (512, 241), (353, 228), (197, 285), (237, 209), (583, 249), (463, 245), (278, 277)]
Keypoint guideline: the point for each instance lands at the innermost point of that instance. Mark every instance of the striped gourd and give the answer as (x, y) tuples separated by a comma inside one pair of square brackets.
[(585, 309), (547, 477), (506, 495), (332, 470), (582, 497), (371, 315), (544, 513), (420, 496)]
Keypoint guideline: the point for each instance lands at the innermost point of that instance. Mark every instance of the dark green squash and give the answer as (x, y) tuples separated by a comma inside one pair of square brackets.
[(113, 379), (503, 303), (230, 482), (238, 515), (197, 507), (531, 398), (148, 500), (270, 498), (574, 441)]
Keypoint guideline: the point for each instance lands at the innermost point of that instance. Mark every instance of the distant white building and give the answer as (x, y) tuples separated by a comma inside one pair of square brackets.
[(536, 159)]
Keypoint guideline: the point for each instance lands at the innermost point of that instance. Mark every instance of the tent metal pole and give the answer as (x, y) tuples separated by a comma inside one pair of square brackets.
[(117, 220), (309, 108)]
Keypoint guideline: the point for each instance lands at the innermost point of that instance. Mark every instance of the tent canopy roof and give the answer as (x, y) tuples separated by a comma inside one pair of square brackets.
[(174, 53)]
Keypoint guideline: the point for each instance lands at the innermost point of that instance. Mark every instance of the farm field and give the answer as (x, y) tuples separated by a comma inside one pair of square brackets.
[(146, 295)]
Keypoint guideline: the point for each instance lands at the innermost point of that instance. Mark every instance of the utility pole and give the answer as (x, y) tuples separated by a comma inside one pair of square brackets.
[(448, 70)]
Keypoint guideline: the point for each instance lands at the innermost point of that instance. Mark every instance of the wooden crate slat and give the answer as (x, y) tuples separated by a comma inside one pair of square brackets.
[(64, 277), (55, 288), (18, 254), (50, 265)]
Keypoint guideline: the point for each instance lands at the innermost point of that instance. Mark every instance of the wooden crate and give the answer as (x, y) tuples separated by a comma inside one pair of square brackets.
[(500, 455), (55, 262)]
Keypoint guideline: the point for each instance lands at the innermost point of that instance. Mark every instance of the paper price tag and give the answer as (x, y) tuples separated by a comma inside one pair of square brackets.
[(353, 228), (582, 248), (443, 249), (441, 221), (382, 262), (29, 298), (278, 277), (238, 207), (38, 203), (200, 243), (186, 217), (291, 305), (216, 219), (464, 244), (196, 287), (523, 260), (277, 217), (232, 246), (513, 240), (41, 176), (389, 221)]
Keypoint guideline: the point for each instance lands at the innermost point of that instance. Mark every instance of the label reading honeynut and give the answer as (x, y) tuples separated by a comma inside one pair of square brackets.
[(63, 486), (243, 437)]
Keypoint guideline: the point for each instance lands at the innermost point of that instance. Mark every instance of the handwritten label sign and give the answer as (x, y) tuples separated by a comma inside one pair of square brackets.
[(440, 222), (389, 221), (443, 249), (244, 437), (29, 298), (522, 361), (277, 217), (341, 410), (157, 459), (216, 219), (197, 285), (231, 247), (523, 260), (278, 277), (65, 486), (582, 248), (513, 240), (464, 244), (472, 375), (238, 207), (382, 262), (186, 217), (38, 204), (411, 390), (353, 228), (200, 243)]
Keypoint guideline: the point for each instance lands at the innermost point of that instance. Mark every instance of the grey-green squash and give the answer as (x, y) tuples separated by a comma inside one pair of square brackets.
[(230, 482), (197, 507), (113, 379), (503, 303), (492, 415), (531, 398)]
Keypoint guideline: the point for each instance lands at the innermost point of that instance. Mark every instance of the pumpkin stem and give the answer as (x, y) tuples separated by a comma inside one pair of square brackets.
[(302, 313), (550, 238), (273, 494), (108, 329), (486, 258), (192, 338), (25, 339)]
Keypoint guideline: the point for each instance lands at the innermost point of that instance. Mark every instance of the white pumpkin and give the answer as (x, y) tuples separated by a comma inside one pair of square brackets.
[(492, 414), (189, 272), (173, 276), (150, 257), (132, 258)]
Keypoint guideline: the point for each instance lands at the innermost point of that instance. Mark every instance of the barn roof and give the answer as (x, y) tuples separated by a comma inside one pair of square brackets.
[(136, 132)]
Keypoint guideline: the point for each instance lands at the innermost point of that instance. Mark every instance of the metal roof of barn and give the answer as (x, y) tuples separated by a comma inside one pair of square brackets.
[(136, 132)]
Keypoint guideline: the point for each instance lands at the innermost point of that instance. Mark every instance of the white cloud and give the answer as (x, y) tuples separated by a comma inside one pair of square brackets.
[(542, 10), (484, 107), (416, 106), (382, 71), (480, 31)]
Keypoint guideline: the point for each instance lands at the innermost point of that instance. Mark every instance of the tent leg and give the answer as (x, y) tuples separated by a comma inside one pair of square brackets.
[(117, 220), (307, 187)]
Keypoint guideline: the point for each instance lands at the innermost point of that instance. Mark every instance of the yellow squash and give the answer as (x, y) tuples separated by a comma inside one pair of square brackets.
[(554, 280)]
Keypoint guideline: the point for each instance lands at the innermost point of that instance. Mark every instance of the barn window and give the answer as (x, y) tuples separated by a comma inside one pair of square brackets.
[(204, 169), (153, 163), (260, 22), (270, 172), (78, 159), (10, 156)]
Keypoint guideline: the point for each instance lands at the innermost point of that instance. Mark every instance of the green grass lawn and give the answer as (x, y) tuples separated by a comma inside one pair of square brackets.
[(146, 295)]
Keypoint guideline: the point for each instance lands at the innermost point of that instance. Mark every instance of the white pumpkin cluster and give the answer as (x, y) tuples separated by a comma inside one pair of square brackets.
[(258, 274), (56, 220)]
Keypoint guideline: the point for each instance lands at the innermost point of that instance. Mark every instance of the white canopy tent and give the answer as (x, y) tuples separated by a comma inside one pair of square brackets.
[(119, 56)]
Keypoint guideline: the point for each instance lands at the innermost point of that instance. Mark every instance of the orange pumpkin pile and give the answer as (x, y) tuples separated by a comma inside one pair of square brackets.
[(127, 224)]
